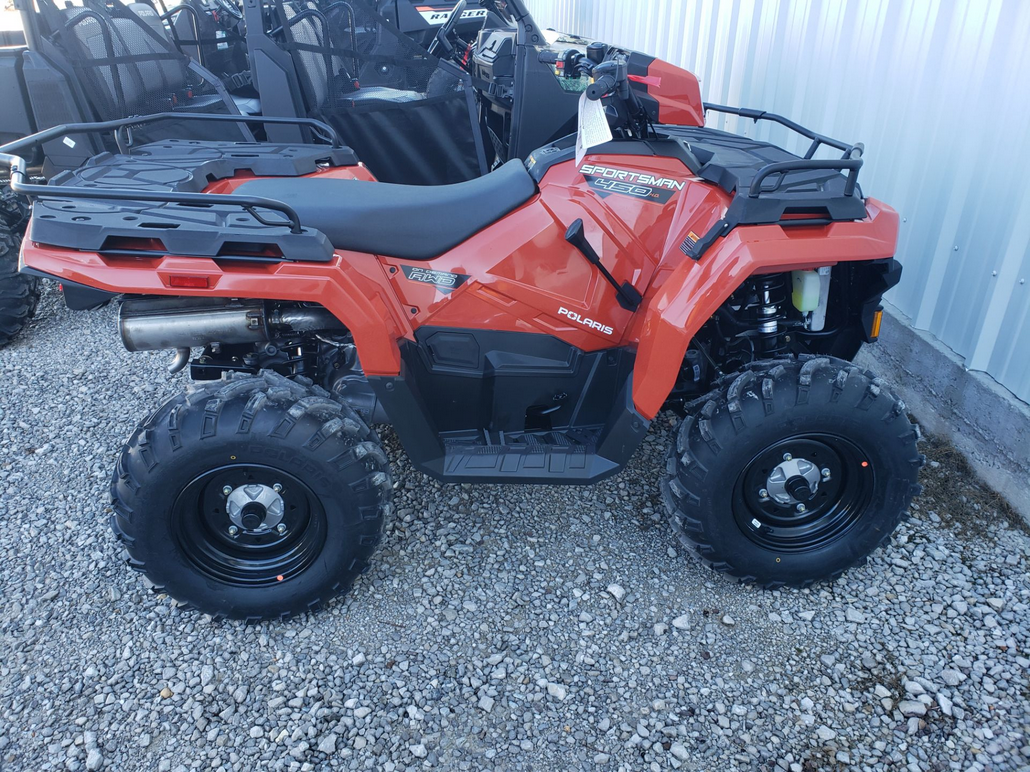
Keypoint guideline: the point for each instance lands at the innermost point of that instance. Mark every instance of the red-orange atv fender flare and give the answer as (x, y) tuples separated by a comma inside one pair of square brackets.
[(351, 287), (695, 290)]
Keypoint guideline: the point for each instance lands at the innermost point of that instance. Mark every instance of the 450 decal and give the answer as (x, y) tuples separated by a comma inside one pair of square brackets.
[(629, 183)]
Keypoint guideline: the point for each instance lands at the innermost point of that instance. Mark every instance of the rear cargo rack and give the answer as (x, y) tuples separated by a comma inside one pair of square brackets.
[(108, 220), (19, 167)]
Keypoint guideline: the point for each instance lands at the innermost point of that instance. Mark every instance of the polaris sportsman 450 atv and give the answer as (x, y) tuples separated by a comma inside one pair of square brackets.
[(523, 327)]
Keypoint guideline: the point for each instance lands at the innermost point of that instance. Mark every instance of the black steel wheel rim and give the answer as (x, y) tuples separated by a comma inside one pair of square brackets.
[(834, 510), (201, 528)]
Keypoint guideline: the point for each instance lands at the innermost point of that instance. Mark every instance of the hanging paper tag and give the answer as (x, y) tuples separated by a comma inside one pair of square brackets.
[(593, 127)]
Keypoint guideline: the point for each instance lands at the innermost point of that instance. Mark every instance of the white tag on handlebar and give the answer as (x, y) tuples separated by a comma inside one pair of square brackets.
[(593, 127)]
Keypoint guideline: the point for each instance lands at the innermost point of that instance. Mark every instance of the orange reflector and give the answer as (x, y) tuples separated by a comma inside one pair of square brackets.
[(188, 282), (279, 578), (865, 463), (874, 332)]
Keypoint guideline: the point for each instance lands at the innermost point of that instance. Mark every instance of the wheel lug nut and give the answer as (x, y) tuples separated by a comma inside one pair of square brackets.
[(826, 473), (787, 457), (277, 488), (281, 529), (226, 490), (234, 531), (801, 508), (763, 494)]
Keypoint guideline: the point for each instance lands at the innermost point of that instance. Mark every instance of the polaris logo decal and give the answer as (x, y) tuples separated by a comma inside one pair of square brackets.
[(629, 183), (437, 16), (602, 328), (444, 281)]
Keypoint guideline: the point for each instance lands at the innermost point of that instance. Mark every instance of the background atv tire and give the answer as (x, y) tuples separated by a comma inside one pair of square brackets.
[(19, 293), (717, 484), (252, 433)]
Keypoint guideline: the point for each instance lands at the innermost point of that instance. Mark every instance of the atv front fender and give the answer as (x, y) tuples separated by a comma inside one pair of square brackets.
[(695, 290)]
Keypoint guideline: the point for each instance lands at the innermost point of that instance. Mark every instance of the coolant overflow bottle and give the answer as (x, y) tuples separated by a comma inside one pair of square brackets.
[(811, 294)]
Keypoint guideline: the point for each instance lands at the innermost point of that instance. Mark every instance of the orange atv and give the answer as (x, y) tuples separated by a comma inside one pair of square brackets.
[(523, 327)]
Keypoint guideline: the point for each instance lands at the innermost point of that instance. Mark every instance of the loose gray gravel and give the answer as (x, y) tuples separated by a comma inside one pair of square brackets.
[(500, 628)]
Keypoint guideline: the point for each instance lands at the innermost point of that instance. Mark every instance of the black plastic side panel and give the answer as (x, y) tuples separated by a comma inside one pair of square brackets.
[(487, 406), (513, 382), (54, 102), (542, 111), (275, 77)]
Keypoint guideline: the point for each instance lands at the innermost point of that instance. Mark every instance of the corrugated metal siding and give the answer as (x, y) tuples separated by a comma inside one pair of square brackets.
[(939, 92)]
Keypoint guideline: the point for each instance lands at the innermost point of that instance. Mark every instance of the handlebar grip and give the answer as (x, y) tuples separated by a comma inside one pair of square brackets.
[(548, 57), (603, 85)]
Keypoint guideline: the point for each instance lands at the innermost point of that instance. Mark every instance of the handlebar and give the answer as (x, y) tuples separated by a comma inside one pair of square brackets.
[(603, 85), (609, 74)]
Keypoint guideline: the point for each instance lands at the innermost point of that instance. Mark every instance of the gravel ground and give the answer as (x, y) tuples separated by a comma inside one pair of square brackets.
[(501, 627)]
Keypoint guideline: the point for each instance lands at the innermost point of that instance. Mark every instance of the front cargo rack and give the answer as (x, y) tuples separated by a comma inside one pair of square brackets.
[(152, 192), (807, 198)]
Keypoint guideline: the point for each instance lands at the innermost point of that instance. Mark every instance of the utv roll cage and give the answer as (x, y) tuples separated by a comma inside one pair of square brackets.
[(100, 62), (410, 116)]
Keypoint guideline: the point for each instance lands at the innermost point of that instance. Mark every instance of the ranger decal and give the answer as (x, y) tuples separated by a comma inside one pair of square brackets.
[(437, 16)]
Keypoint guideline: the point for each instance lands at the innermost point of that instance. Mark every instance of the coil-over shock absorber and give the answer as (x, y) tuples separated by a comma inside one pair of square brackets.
[(768, 313)]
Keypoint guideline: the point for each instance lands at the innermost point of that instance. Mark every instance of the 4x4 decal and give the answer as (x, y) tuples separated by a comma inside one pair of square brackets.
[(443, 280)]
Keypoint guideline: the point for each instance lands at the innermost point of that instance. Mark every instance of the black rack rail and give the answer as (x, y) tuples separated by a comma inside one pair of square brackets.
[(851, 161), (757, 202), (122, 129)]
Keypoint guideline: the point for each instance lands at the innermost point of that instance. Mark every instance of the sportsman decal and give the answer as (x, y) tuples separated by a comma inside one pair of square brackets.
[(624, 182)]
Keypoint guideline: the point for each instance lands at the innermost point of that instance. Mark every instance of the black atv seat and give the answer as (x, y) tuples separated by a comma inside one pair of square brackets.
[(412, 222)]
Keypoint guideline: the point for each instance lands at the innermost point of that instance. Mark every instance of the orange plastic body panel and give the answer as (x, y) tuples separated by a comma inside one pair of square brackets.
[(678, 93), (523, 275)]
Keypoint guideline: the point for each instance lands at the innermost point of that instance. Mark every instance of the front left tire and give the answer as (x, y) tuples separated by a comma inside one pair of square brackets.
[(792, 471)]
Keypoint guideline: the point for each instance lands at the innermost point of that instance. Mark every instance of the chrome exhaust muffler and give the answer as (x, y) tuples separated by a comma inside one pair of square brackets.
[(150, 324)]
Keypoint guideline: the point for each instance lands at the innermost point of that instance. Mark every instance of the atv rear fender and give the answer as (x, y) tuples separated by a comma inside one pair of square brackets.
[(676, 310)]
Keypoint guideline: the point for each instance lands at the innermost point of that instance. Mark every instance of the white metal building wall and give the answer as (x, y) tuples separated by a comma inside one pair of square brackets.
[(939, 92)]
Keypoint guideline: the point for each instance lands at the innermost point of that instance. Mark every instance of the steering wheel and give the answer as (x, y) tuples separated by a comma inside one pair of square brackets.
[(230, 9), (443, 36)]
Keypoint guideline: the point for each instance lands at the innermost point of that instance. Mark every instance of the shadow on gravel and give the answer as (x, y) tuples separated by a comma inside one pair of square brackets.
[(956, 494)]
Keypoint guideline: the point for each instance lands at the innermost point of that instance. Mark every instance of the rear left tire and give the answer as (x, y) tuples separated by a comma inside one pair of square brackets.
[(255, 497)]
